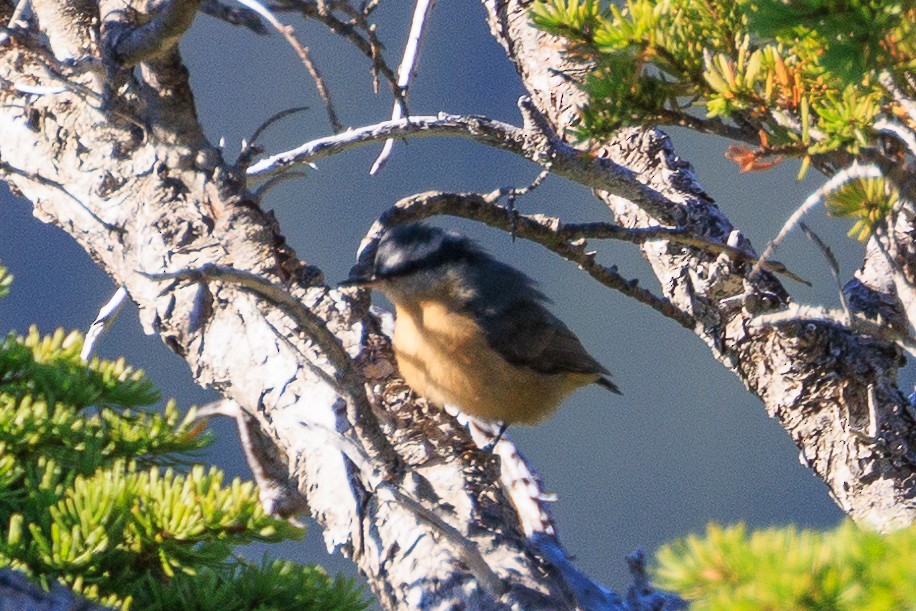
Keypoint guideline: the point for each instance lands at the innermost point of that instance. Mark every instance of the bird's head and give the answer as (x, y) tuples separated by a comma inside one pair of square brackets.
[(417, 261)]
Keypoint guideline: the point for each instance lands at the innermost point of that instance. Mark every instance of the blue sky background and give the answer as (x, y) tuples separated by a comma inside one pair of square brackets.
[(685, 445)]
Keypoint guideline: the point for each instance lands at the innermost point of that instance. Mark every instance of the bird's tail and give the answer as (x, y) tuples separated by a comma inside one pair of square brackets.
[(606, 382)]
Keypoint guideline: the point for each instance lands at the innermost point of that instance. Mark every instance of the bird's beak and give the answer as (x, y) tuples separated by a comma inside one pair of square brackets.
[(356, 283), (359, 279)]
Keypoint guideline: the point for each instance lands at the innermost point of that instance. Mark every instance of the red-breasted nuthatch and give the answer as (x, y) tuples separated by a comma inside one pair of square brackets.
[(473, 332)]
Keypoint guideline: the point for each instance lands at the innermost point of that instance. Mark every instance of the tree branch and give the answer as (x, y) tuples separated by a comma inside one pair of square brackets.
[(562, 159), (406, 71), (808, 376), (801, 314), (852, 173), (234, 15), (304, 56), (547, 231), (367, 41), (102, 323)]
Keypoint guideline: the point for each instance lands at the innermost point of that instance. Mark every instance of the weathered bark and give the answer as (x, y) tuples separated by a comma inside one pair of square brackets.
[(815, 378), (397, 486)]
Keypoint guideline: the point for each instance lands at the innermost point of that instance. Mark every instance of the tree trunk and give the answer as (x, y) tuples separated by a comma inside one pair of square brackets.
[(833, 391)]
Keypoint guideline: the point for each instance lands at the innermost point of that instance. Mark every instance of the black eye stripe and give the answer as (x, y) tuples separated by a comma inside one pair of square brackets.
[(412, 248)]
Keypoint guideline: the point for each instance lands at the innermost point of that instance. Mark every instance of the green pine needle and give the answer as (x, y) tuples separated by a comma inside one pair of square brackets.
[(805, 72), (787, 568), (95, 493)]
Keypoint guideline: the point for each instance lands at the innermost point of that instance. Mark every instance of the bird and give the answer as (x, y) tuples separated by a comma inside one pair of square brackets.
[(473, 332)]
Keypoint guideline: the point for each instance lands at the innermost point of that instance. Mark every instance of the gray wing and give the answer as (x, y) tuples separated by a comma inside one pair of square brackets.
[(523, 331), (527, 334)]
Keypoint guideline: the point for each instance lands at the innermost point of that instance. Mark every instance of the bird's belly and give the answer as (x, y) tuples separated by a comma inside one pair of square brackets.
[(445, 357)]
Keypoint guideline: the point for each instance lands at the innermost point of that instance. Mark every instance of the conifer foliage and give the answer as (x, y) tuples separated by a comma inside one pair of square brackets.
[(826, 81), (786, 568), (97, 492), (829, 82)]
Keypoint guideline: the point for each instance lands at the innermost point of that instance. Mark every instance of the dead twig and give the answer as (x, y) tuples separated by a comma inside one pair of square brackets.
[(406, 72), (303, 53)]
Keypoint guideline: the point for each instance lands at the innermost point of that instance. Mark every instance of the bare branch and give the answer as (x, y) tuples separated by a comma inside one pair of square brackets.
[(873, 420), (831, 262), (323, 90), (595, 172), (304, 317), (406, 72), (102, 323), (303, 53), (367, 42), (234, 15), (488, 131), (853, 172), (485, 209), (276, 180), (534, 184), (680, 235), (802, 314), (276, 494), (513, 193), (273, 119)]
